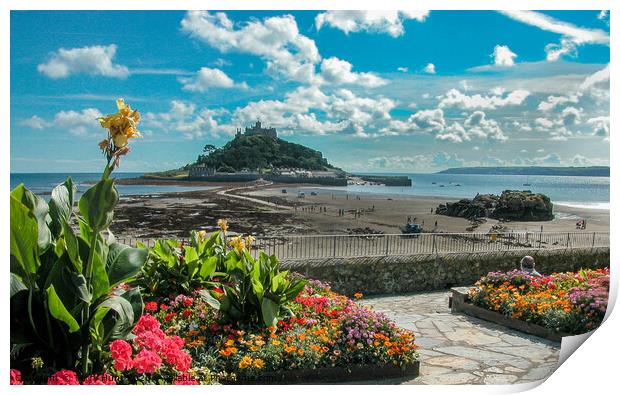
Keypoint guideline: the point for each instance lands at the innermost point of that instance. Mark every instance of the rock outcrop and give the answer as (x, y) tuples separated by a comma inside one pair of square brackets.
[(509, 206)]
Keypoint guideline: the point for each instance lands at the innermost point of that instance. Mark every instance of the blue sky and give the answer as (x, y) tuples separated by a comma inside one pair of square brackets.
[(408, 91)]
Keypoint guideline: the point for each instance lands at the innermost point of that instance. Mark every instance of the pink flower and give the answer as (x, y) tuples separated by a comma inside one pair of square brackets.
[(146, 323), (63, 377), (99, 379), (150, 341), (121, 353), (16, 377), (180, 359), (185, 379), (174, 341), (146, 362)]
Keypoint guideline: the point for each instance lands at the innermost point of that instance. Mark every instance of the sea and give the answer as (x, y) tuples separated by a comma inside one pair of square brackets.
[(581, 192), (43, 183)]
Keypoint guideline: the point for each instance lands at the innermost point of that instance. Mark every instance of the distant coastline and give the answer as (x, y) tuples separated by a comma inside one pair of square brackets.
[(589, 171)]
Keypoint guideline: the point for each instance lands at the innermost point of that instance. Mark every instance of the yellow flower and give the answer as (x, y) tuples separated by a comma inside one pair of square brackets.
[(245, 362), (238, 244), (121, 125), (249, 240), (201, 235), (223, 224), (276, 342), (258, 363)]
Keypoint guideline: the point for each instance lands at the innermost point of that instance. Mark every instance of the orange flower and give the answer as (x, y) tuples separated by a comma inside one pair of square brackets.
[(358, 295)]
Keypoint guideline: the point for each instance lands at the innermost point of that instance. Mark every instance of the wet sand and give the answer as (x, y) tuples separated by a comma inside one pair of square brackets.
[(265, 210)]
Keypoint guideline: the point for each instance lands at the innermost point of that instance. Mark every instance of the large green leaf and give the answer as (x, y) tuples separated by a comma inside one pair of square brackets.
[(97, 204), (124, 262), (100, 281), (269, 310), (24, 236), (70, 286), (208, 267), (16, 284), (61, 205), (40, 210), (120, 323), (209, 299), (59, 311), (72, 246)]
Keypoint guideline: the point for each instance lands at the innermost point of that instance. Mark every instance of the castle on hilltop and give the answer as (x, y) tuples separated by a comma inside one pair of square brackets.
[(258, 130)]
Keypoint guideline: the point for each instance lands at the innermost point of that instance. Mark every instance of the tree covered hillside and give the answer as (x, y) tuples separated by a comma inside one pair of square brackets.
[(252, 152)]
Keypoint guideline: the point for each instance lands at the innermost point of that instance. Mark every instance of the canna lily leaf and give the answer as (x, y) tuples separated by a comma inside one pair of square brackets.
[(24, 236), (97, 204), (58, 310)]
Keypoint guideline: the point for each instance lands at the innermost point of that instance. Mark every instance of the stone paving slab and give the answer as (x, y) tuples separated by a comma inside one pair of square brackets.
[(458, 349)]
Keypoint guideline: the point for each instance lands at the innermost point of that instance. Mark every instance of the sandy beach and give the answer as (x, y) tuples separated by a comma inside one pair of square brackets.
[(265, 210)]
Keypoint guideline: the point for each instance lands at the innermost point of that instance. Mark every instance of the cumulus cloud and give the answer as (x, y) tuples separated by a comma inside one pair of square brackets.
[(207, 78), (554, 101), (337, 71), (600, 126), (571, 116), (503, 56), (572, 36), (455, 98), (93, 60), (601, 77), (275, 39), (403, 69), (478, 125), (389, 22), (429, 68), (78, 123), (186, 119), (35, 122)]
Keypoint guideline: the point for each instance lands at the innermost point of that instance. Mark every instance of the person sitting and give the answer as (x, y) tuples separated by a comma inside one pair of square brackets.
[(528, 264)]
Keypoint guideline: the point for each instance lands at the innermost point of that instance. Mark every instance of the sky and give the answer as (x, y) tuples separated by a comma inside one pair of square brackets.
[(375, 91)]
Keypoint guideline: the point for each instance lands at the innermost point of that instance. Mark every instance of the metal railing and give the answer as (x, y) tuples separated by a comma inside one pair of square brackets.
[(366, 245)]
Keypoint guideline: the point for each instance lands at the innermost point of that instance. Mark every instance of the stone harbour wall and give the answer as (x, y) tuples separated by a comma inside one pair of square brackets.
[(403, 274)]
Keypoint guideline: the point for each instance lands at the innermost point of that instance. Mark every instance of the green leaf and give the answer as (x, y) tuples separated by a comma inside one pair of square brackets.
[(40, 210), (24, 236), (208, 267), (97, 204), (72, 246), (61, 205), (269, 310), (99, 281), (59, 311), (209, 299), (119, 324), (124, 262), (16, 285)]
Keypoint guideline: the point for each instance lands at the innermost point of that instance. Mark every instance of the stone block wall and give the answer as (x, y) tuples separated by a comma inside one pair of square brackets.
[(402, 274)]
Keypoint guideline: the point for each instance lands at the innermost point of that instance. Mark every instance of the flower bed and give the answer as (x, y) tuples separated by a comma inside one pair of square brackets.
[(569, 303), (327, 330)]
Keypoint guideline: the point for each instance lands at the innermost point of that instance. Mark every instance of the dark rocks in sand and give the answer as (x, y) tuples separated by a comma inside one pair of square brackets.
[(510, 206)]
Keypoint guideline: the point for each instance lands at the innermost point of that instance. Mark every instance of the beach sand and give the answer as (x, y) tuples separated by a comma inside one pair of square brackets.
[(265, 210)]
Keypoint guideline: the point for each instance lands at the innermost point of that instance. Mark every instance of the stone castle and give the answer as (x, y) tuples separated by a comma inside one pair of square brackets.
[(257, 129)]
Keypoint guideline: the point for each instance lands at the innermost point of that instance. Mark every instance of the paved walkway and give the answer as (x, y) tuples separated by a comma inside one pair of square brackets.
[(458, 349)]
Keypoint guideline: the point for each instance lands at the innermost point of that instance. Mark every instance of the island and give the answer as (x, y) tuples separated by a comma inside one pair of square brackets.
[(587, 171)]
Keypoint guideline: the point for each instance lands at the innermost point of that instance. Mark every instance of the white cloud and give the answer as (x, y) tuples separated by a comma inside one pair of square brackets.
[(599, 78), (207, 78), (603, 14), (572, 36), (35, 122), (478, 125), (571, 116), (454, 98), (600, 126), (503, 56), (337, 71), (94, 60), (78, 123), (553, 101), (184, 118), (403, 69), (275, 39), (429, 68), (580, 160), (389, 22)]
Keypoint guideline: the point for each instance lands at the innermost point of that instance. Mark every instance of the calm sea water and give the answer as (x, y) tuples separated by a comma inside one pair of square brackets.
[(591, 192), (43, 183)]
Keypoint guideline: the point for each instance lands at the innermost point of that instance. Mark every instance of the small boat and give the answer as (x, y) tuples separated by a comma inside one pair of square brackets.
[(441, 185), (434, 183), (457, 185)]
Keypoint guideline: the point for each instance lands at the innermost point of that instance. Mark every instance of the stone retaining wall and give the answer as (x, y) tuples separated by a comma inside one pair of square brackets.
[(402, 274)]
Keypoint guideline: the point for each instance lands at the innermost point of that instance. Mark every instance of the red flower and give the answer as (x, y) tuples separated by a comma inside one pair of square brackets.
[(150, 306), (150, 341), (16, 377), (218, 290), (97, 379), (163, 307), (188, 301), (146, 323), (169, 316), (63, 377), (185, 379), (121, 353), (180, 359), (146, 362), (187, 313)]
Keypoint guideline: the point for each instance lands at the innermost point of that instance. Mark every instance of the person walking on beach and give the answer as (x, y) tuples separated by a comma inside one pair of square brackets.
[(435, 224), (528, 265)]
